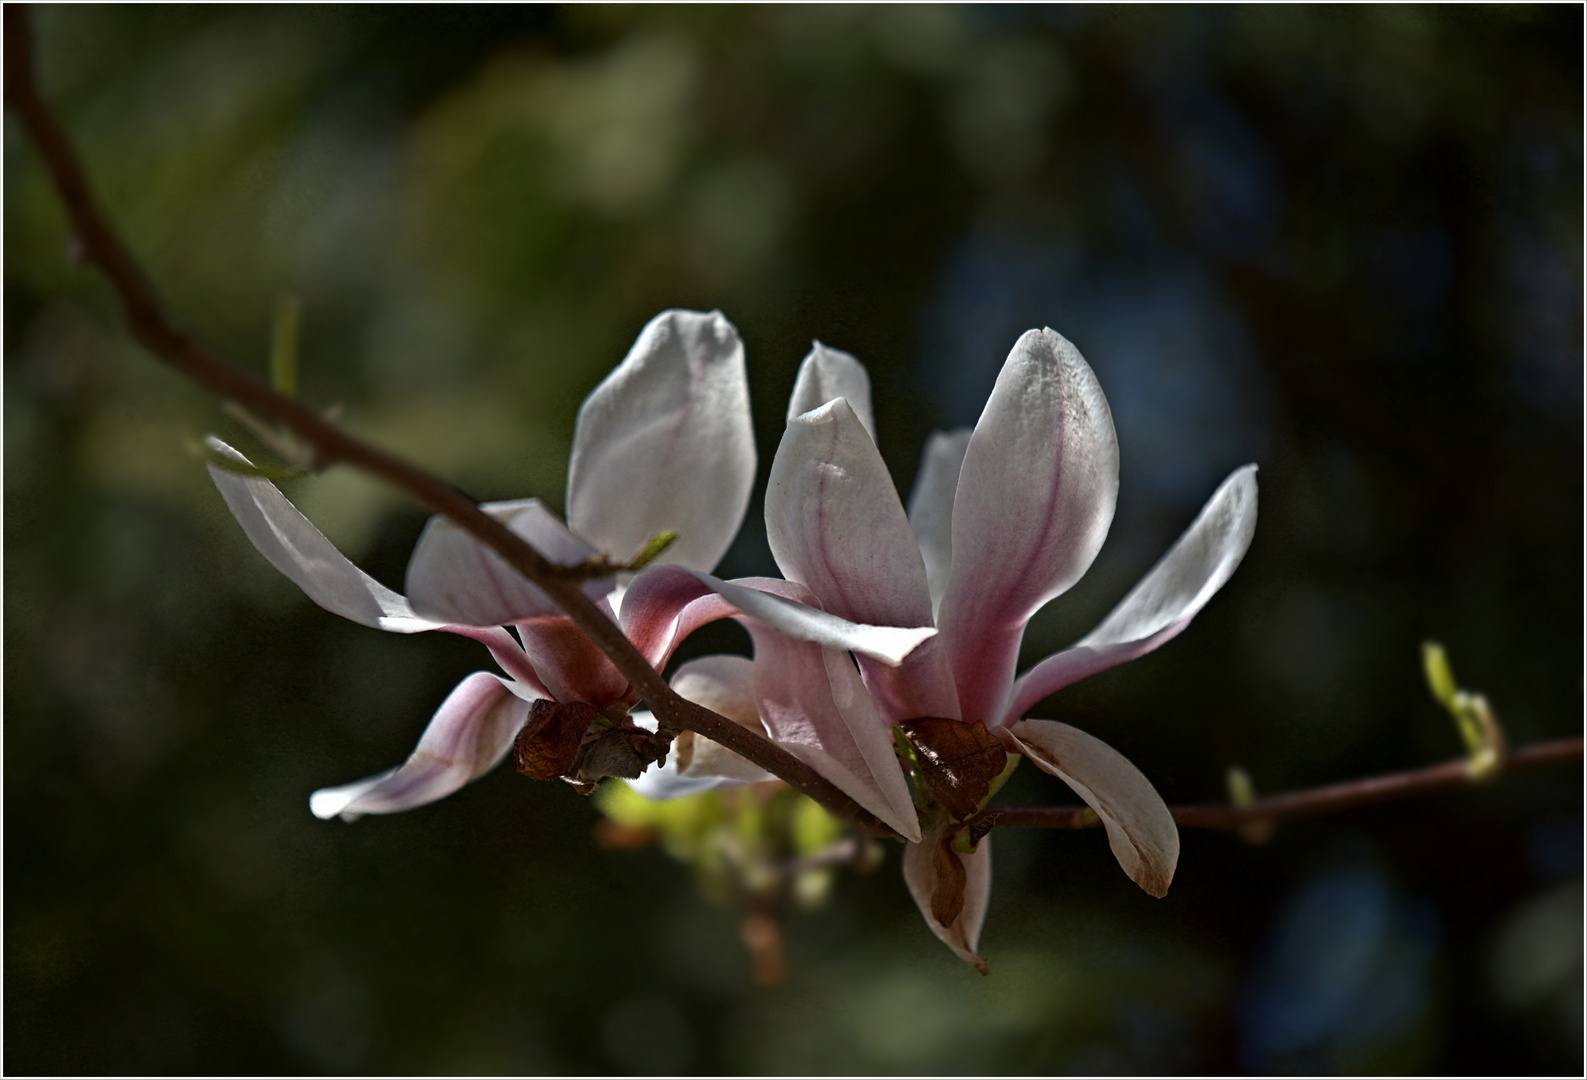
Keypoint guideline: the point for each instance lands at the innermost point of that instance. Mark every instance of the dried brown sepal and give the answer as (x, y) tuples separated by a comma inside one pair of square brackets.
[(947, 888), (619, 751), (957, 761), (548, 743)]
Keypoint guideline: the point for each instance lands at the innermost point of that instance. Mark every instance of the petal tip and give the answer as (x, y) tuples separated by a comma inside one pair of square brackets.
[(327, 803)]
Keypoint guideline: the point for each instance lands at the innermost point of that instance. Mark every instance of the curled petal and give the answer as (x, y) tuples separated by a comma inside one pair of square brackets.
[(725, 684), (665, 442), (964, 883), (665, 604), (815, 706), (1163, 602), (931, 505), (1034, 501), (1140, 829), (470, 733), (657, 612), (832, 373), (301, 552), (455, 578)]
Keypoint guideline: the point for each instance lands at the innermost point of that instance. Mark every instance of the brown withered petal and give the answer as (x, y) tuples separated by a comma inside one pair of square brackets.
[(947, 890), (548, 743), (958, 761)]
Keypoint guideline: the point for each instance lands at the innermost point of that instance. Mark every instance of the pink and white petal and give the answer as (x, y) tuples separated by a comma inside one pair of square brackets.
[(455, 578), (931, 505), (658, 611), (814, 705), (665, 442), (300, 551), (1140, 829), (1163, 602), (470, 733), (836, 526), (1035, 497), (963, 935), (827, 374)]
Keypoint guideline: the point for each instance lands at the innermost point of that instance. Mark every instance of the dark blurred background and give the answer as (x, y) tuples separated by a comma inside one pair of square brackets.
[(1345, 243)]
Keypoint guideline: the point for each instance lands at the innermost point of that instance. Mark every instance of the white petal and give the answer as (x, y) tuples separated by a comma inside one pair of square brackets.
[(301, 552), (836, 526), (471, 731), (454, 577), (832, 373), (931, 505), (1164, 601), (1140, 829), (1197, 566), (665, 442), (963, 936), (1035, 498)]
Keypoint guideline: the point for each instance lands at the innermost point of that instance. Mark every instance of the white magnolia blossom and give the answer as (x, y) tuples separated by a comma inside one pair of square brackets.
[(1003, 518), (663, 443)]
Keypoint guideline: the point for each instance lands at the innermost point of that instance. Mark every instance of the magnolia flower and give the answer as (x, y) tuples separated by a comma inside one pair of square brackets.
[(663, 443), (1003, 519)]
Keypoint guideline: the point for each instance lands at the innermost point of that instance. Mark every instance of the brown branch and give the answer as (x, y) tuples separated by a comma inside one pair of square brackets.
[(1321, 800), (146, 318)]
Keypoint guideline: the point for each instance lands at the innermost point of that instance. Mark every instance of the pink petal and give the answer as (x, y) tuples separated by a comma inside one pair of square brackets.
[(301, 552), (569, 664), (931, 505), (665, 442), (814, 704), (963, 935), (455, 578), (1033, 504), (472, 731), (1140, 829), (665, 604), (836, 526), (1164, 601), (827, 374)]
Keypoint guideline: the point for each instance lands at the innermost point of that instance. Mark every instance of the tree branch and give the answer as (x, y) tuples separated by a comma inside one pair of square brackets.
[(1321, 800), (146, 318)]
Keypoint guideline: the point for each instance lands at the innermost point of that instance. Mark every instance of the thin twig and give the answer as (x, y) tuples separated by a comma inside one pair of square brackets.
[(146, 318), (1321, 800)]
